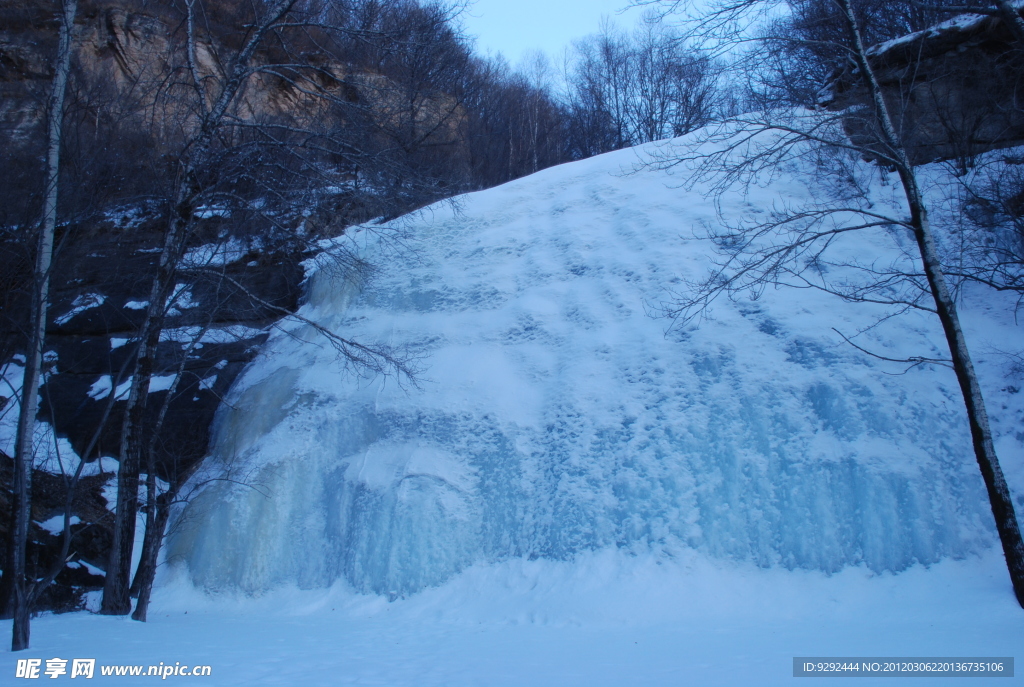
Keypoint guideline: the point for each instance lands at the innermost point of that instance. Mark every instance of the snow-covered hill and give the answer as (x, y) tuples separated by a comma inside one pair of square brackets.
[(555, 416), (571, 496)]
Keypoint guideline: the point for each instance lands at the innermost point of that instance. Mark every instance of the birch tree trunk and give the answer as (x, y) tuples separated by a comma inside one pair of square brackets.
[(981, 432), (24, 449)]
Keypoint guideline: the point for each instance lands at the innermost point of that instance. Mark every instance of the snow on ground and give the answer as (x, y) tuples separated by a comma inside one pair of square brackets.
[(605, 620), (571, 496)]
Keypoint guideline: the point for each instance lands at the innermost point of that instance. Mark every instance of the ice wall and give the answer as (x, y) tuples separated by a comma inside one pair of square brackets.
[(554, 415)]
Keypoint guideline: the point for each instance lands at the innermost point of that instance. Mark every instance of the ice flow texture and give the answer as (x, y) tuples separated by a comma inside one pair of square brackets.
[(554, 415)]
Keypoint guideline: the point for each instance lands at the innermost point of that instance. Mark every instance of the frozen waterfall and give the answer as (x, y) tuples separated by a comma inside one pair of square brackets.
[(554, 415)]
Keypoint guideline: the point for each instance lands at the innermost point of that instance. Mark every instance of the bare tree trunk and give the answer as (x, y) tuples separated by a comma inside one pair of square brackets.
[(981, 432), (23, 459), (116, 589), (151, 553), (154, 526), (147, 565)]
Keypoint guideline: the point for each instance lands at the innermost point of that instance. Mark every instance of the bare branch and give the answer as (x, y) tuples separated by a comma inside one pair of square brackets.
[(914, 361)]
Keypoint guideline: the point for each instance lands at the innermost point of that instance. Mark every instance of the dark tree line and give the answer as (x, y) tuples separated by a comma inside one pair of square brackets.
[(623, 89)]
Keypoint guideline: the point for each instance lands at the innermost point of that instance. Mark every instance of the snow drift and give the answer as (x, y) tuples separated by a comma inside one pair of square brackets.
[(555, 416)]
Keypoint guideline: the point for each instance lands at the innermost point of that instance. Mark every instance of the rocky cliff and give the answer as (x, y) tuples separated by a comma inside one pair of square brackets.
[(213, 330), (954, 90), (130, 55)]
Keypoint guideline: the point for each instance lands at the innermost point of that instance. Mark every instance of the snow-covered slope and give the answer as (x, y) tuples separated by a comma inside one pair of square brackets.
[(555, 416), (572, 497)]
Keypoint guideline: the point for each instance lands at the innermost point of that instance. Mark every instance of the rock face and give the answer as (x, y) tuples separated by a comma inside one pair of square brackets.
[(112, 46), (216, 326), (98, 307), (90, 529), (954, 90), (132, 52)]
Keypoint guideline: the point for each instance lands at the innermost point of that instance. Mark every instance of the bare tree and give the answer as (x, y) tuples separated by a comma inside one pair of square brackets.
[(116, 599), (598, 82), (625, 89), (199, 150), (158, 506), (992, 230), (794, 243), (24, 591)]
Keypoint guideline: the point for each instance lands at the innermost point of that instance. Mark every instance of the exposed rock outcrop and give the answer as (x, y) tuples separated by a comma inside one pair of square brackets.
[(954, 90), (132, 54), (214, 329)]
